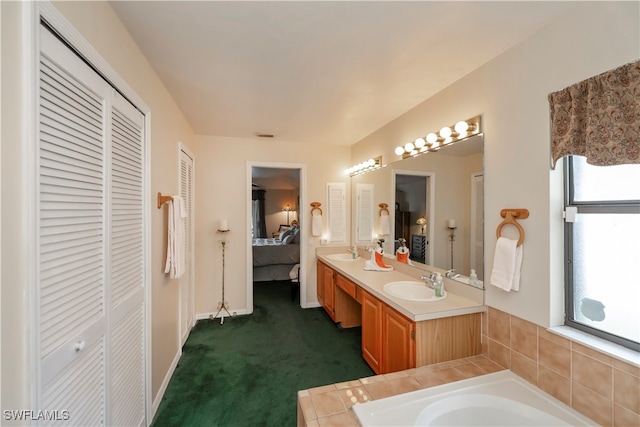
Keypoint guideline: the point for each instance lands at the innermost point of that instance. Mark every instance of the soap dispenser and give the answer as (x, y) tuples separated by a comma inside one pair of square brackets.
[(438, 286), (473, 278)]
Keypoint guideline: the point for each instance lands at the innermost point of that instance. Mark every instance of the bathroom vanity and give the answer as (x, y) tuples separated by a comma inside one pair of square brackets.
[(397, 333)]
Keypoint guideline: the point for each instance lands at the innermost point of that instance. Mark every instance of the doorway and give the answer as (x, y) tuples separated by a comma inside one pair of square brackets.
[(275, 199), (414, 211)]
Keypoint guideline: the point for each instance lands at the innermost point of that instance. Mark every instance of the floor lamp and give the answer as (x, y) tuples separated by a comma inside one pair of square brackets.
[(223, 304)]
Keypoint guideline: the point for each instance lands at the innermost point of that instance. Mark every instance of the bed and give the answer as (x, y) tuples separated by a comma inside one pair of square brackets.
[(274, 259)]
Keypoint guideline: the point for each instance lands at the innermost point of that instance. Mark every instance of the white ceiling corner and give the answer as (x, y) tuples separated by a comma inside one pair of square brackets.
[(317, 72)]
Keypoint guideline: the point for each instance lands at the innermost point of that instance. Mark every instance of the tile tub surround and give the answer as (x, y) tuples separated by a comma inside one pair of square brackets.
[(331, 405), (599, 386)]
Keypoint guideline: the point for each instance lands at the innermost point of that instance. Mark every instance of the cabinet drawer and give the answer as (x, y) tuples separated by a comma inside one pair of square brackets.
[(346, 285)]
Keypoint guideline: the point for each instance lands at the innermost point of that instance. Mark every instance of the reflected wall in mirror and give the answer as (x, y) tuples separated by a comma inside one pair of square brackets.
[(438, 186)]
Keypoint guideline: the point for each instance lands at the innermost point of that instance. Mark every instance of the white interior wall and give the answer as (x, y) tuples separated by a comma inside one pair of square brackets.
[(510, 92), (221, 193), (103, 31)]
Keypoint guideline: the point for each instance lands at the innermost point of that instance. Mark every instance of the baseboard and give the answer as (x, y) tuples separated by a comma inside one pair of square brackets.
[(312, 305), (165, 384)]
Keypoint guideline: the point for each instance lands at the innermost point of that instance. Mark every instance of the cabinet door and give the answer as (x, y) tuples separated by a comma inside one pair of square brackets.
[(326, 289), (329, 292), (372, 331), (398, 341)]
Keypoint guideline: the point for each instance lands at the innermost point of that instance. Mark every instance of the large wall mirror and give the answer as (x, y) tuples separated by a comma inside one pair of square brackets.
[(427, 195)]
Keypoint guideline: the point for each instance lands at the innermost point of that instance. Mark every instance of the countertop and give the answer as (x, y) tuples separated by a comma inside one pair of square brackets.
[(461, 299)]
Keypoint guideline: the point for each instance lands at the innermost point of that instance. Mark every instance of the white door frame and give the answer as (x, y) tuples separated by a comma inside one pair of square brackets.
[(304, 220)]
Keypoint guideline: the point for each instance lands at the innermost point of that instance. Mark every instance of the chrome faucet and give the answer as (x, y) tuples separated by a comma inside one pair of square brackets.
[(430, 279), (451, 274)]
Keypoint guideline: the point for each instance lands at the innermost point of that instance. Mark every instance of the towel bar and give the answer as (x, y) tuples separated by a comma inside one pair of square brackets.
[(163, 199)]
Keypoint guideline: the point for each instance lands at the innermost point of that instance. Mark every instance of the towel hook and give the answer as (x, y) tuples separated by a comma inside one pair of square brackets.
[(510, 216), (163, 199), (383, 208)]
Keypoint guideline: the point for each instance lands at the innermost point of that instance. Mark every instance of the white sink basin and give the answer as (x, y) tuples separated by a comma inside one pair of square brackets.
[(412, 291), (341, 257)]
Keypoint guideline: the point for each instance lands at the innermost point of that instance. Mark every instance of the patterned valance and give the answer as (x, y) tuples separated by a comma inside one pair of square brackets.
[(598, 118)]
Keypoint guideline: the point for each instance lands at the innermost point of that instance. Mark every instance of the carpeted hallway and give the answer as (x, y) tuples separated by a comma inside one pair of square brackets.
[(247, 371)]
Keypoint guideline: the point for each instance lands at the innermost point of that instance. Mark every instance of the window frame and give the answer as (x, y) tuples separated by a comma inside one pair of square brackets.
[(587, 207)]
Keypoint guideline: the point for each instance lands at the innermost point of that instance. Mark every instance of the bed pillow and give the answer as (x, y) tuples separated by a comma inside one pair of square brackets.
[(284, 234), (296, 236)]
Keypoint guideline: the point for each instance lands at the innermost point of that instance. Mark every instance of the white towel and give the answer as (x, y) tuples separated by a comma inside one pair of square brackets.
[(175, 264), (385, 225), (507, 262), (316, 225)]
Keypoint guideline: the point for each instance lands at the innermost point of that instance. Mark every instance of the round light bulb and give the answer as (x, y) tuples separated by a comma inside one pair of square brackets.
[(420, 142), (445, 132), (408, 147), (371, 162), (432, 138), (461, 126), (399, 151)]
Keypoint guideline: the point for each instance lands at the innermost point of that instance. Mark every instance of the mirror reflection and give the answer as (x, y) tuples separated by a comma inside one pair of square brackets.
[(435, 204)]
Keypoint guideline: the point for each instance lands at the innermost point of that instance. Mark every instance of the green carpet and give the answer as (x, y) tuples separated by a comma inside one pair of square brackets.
[(247, 371)]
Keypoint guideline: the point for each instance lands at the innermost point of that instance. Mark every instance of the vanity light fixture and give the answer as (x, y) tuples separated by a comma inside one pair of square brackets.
[(368, 166), (447, 135)]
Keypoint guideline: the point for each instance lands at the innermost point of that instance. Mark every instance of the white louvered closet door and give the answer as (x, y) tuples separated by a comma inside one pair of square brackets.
[(186, 280), (127, 296), (90, 283)]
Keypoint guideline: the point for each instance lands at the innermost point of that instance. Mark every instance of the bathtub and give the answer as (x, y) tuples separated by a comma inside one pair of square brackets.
[(498, 399)]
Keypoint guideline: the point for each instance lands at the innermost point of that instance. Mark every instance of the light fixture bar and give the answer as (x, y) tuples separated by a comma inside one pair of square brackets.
[(367, 166), (435, 140)]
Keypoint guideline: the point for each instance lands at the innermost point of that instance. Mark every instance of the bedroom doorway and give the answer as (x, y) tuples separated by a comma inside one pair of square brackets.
[(275, 200)]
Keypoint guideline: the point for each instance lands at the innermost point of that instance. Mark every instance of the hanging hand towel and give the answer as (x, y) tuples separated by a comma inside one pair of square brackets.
[(316, 225), (175, 264), (507, 262), (385, 225)]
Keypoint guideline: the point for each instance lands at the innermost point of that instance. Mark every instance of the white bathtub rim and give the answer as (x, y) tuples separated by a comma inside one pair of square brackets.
[(404, 409)]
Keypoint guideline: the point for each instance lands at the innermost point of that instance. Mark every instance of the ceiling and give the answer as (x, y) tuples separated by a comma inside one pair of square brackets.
[(318, 72)]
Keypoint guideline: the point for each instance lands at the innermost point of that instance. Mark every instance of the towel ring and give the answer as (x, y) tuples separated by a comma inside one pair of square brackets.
[(314, 207), (383, 208), (510, 220)]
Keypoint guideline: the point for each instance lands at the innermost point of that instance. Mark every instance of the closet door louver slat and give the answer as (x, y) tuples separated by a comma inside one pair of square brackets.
[(128, 369), (126, 208)]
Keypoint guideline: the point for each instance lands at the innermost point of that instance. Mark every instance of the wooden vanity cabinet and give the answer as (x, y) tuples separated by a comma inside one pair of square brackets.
[(391, 341)]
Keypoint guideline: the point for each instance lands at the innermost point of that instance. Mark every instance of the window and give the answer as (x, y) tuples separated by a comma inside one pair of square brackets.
[(603, 250)]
